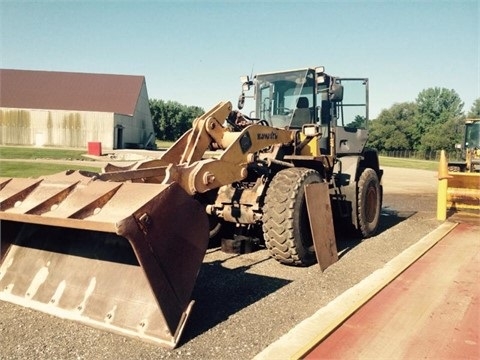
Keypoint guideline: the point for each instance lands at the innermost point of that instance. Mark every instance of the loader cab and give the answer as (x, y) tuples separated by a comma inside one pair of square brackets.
[(292, 99), (472, 134), (471, 149), (286, 99)]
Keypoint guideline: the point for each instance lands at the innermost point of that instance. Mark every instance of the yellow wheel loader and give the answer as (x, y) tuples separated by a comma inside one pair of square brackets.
[(121, 249), (470, 149), (463, 195)]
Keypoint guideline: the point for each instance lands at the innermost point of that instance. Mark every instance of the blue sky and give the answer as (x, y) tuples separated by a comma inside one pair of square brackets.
[(193, 52)]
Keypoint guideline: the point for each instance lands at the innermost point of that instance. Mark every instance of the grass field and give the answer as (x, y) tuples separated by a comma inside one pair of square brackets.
[(27, 169), (34, 169), (409, 163), (14, 152)]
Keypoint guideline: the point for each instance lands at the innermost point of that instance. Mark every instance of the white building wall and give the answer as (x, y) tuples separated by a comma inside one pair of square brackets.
[(60, 128), (55, 128), (136, 130), (143, 118)]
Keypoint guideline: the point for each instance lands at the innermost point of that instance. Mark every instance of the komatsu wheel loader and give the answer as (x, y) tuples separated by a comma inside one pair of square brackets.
[(121, 249)]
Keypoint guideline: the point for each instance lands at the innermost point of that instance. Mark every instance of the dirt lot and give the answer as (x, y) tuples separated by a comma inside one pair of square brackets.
[(243, 303)]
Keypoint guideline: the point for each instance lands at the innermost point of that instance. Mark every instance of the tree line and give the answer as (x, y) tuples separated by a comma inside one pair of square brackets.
[(432, 122), (172, 119)]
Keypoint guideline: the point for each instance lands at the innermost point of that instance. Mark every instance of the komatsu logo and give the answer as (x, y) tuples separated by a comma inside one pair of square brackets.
[(267, 136)]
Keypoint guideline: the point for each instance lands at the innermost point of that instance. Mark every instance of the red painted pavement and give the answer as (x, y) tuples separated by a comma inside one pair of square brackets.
[(431, 311)]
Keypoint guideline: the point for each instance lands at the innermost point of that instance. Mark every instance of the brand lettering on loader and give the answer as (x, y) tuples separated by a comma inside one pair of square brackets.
[(267, 136)]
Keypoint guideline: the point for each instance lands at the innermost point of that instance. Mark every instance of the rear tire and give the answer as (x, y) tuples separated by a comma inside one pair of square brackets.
[(286, 226), (369, 203)]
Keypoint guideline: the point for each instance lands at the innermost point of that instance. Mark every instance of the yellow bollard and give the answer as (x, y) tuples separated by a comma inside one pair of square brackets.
[(443, 177)]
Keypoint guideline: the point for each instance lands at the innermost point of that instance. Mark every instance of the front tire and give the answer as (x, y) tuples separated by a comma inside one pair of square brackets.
[(286, 226)]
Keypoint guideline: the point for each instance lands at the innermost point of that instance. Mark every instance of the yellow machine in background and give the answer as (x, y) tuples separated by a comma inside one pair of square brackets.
[(458, 192), (470, 149), (459, 181), (472, 145)]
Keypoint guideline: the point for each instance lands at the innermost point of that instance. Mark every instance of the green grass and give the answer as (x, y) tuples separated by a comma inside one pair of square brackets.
[(27, 153), (409, 163), (35, 169), (162, 144)]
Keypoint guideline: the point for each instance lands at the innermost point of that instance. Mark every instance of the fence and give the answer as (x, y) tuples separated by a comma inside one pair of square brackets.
[(433, 155)]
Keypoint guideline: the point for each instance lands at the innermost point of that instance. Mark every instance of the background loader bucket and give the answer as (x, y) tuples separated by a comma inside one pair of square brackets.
[(118, 256), (458, 192), (463, 192)]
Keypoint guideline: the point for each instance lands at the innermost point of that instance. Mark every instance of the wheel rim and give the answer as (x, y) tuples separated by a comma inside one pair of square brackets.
[(371, 208)]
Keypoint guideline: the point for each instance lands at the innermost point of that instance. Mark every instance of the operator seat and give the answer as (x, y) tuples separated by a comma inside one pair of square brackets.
[(302, 114)]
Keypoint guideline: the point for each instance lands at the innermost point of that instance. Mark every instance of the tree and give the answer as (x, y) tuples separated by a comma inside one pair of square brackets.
[(475, 110), (358, 122), (172, 119), (393, 128), (442, 136), (439, 114)]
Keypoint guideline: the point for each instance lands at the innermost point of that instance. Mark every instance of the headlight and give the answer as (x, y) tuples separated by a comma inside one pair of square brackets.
[(311, 130)]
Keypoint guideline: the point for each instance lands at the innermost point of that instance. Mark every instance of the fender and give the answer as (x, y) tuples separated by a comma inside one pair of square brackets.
[(345, 178)]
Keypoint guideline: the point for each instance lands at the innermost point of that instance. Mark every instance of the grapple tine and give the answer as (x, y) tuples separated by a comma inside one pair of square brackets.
[(116, 256)]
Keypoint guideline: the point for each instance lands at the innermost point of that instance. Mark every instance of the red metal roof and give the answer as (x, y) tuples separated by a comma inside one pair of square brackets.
[(53, 90)]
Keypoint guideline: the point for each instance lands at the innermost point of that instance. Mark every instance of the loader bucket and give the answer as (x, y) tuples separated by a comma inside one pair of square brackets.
[(463, 193), (122, 257)]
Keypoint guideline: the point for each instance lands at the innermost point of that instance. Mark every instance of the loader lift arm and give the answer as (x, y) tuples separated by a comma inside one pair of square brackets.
[(183, 162)]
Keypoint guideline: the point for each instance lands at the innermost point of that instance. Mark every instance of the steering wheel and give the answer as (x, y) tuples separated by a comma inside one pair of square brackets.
[(256, 120), (263, 122), (284, 111)]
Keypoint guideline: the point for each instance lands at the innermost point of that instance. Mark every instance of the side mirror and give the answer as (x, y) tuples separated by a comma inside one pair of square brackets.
[(241, 101), (336, 92), (246, 83)]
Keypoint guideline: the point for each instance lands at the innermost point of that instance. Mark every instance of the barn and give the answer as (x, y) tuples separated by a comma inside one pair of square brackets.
[(74, 110)]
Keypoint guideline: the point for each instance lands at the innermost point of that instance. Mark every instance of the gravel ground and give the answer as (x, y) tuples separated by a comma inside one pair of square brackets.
[(243, 303)]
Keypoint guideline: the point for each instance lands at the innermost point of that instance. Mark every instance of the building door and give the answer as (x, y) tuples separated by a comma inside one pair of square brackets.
[(119, 144)]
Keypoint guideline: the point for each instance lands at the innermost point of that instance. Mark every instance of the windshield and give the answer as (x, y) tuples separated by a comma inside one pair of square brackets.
[(472, 135), (278, 96)]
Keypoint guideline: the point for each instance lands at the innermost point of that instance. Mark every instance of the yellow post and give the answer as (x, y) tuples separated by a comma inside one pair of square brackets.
[(442, 187)]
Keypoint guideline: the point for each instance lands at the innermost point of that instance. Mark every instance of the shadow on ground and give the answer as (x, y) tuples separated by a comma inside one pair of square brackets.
[(388, 219), (221, 292)]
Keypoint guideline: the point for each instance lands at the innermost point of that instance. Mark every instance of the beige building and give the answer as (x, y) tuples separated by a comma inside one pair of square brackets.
[(61, 109)]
